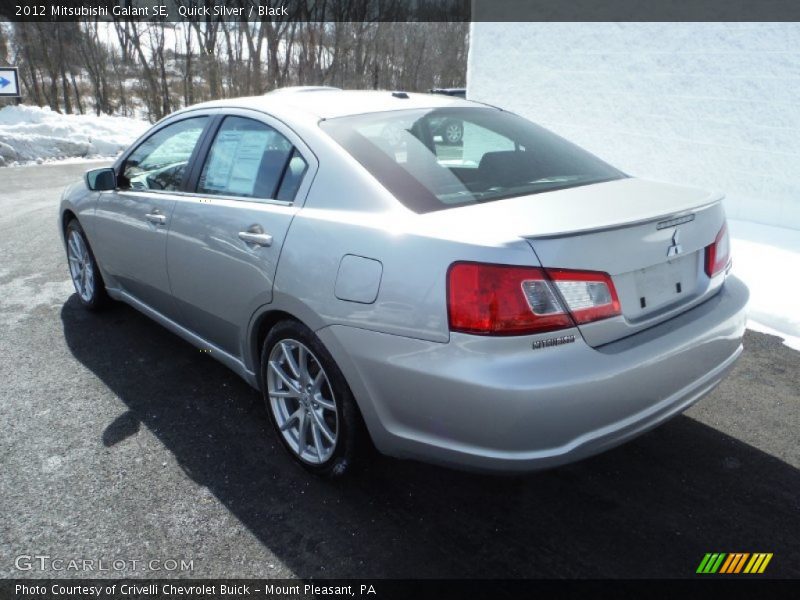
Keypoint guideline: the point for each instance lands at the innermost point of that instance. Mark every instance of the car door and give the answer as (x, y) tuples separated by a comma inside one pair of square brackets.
[(132, 221), (226, 238)]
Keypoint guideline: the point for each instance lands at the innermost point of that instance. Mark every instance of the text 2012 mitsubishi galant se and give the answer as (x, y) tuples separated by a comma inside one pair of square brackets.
[(507, 303)]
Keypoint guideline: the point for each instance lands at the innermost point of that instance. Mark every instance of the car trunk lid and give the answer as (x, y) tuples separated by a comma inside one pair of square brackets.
[(649, 237)]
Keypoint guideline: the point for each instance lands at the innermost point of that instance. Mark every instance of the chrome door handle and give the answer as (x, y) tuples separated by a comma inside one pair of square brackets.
[(156, 217), (252, 237)]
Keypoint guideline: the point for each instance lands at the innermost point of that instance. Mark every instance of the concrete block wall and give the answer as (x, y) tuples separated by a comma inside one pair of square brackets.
[(710, 104)]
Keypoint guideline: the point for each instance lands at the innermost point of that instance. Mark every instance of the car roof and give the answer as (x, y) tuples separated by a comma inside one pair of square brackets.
[(329, 103)]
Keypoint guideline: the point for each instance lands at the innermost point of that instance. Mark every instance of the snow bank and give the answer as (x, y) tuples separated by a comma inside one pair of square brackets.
[(767, 259), (30, 133)]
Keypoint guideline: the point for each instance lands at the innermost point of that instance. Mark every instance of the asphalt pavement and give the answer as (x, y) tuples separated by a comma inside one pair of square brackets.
[(122, 442)]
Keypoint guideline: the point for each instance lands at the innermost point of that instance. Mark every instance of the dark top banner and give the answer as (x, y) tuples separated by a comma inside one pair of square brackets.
[(240, 10), (402, 10)]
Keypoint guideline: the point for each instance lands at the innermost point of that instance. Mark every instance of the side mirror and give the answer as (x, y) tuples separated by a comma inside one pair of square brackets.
[(101, 180)]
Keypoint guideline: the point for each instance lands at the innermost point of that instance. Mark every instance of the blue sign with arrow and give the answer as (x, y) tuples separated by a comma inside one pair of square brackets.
[(9, 82)]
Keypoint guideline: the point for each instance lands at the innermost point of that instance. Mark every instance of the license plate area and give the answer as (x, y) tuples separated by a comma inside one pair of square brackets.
[(665, 284)]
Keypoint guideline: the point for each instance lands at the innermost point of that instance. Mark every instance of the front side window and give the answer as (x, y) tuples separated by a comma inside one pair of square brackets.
[(160, 162), (432, 159), (249, 159)]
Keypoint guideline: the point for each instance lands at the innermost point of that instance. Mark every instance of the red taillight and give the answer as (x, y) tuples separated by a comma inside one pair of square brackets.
[(718, 254), (491, 299), (590, 295)]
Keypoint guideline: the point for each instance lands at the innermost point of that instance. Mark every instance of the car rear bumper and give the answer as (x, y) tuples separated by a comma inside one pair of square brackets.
[(497, 404)]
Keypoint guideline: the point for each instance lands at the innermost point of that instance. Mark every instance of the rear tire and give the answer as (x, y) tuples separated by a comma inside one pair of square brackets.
[(86, 277), (453, 132), (309, 402)]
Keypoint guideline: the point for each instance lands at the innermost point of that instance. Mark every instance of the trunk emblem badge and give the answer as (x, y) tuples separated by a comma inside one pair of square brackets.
[(675, 222), (675, 249)]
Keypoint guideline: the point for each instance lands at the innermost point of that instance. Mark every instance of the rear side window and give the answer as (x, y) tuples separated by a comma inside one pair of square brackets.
[(159, 163), (293, 177), (250, 159), (432, 159)]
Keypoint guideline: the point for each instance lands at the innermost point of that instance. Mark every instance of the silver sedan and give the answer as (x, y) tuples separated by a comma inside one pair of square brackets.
[(506, 302)]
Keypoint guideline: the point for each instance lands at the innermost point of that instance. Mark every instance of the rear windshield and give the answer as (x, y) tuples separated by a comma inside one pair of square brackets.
[(432, 159)]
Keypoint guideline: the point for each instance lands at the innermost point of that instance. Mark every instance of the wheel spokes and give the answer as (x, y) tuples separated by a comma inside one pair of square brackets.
[(302, 429), (287, 355), (317, 442), (276, 368), (299, 395), (295, 416), (80, 266), (321, 426), (74, 246), (74, 270), (316, 385), (81, 247), (324, 402), (302, 362)]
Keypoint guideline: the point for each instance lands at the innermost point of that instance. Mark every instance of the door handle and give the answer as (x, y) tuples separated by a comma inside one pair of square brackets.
[(256, 235), (156, 217)]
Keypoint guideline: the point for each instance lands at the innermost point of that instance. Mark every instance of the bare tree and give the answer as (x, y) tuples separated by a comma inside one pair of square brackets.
[(95, 59), (207, 30), (135, 67), (188, 67), (4, 60)]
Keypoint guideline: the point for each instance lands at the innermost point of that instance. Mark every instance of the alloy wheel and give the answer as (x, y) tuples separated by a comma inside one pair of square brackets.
[(81, 266), (453, 133), (302, 401)]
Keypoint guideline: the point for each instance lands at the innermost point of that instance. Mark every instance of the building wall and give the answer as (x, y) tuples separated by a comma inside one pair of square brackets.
[(711, 104)]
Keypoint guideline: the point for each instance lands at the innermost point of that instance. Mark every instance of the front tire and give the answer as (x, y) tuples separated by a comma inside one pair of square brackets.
[(308, 400), (83, 269)]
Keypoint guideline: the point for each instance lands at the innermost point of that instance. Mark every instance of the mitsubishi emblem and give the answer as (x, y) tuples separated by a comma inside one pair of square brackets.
[(675, 249)]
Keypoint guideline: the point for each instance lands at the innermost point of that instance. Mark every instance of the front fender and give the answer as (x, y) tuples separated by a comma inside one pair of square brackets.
[(80, 201)]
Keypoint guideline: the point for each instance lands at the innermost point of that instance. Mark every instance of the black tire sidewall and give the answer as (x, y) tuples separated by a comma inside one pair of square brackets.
[(349, 420), (99, 296)]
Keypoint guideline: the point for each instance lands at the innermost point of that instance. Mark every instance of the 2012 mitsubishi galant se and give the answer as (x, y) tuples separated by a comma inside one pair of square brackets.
[(507, 303)]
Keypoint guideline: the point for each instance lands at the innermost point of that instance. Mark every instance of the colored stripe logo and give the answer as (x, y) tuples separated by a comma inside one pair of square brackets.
[(734, 562)]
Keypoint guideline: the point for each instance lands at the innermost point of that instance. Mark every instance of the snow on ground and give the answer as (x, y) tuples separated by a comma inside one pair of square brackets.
[(767, 259), (33, 134)]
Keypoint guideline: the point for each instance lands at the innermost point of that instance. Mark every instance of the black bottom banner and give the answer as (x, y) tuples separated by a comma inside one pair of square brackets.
[(380, 589)]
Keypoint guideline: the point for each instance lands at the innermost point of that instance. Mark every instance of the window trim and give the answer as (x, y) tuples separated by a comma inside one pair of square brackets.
[(119, 166), (295, 152), (205, 150), (215, 113)]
